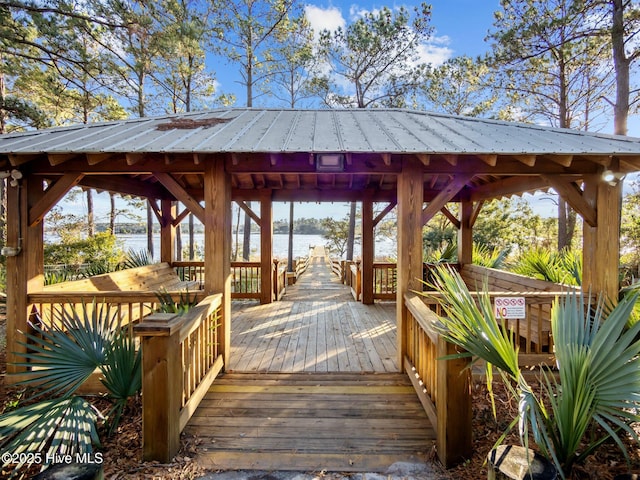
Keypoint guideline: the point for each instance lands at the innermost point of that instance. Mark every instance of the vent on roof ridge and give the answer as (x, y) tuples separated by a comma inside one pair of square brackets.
[(188, 124)]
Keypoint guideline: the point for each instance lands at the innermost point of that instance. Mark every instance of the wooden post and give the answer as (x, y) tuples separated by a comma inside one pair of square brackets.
[(162, 387), (368, 252), (168, 231), (454, 438), (217, 244), (268, 283), (275, 287), (25, 270), (410, 201), (465, 234), (601, 244)]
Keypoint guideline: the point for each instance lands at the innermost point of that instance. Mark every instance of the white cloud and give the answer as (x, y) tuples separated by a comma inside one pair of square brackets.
[(320, 19), (435, 52)]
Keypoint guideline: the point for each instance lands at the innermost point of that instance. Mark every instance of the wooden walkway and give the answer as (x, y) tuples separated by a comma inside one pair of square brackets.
[(311, 422), (312, 385), (316, 327)]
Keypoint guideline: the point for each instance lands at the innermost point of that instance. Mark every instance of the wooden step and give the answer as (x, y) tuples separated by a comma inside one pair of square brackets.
[(313, 422)]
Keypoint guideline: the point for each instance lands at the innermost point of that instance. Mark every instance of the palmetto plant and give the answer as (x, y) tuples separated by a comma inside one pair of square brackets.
[(60, 359), (598, 360)]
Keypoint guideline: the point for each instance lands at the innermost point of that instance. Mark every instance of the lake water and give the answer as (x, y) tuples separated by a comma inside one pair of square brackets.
[(301, 244)]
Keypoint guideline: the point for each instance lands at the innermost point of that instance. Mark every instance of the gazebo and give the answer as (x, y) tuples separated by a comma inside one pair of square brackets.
[(416, 161)]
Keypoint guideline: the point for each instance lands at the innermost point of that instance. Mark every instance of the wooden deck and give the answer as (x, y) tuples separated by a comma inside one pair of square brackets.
[(312, 422), (316, 327), (313, 385)]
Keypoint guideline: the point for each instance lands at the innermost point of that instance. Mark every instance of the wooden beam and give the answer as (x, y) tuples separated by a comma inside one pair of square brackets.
[(265, 221), (180, 217), (133, 158), (604, 160), (217, 246), (368, 253), (17, 160), (601, 244), (52, 196), (125, 185), (465, 234), (168, 231), (564, 160), (451, 159), (451, 217), (457, 183), (507, 186), (572, 194), (180, 194), (629, 164), (60, 158), (156, 211), (409, 254), (384, 213), (528, 160), (254, 216), (477, 208), (424, 158), (490, 159), (96, 158)]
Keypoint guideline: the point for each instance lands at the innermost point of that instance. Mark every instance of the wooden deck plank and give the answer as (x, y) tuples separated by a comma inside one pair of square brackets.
[(332, 422)]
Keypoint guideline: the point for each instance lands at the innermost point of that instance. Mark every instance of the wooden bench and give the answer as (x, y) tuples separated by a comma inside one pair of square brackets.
[(149, 278), (133, 292)]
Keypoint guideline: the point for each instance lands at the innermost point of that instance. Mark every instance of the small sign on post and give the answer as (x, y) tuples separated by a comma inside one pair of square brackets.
[(509, 307)]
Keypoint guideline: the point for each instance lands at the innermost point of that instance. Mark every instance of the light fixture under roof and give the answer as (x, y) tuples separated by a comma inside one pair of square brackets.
[(329, 162)]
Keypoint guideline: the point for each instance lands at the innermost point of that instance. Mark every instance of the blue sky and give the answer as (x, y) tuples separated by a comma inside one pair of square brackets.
[(460, 28)]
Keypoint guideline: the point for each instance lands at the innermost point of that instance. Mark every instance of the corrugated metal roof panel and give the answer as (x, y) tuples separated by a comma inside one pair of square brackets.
[(288, 131)]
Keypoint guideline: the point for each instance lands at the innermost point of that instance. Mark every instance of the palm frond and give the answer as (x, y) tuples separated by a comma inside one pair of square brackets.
[(50, 427)]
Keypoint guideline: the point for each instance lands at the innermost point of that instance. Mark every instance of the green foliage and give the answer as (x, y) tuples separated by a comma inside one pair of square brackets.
[(460, 86), (135, 259), (598, 361), (101, 253), (336, 234), (563, 267), (490, 258), (168, 305), (60, 359), (376, 56), (48, 428)]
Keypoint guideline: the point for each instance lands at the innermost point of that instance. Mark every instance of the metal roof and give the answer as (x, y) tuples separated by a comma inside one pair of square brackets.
[(392, 131)]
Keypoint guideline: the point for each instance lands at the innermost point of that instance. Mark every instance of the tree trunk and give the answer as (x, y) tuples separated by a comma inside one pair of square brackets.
[(621, 65), (91, 224), (112, 213), (246, 236), (562, 223), (352, 231), (149, 229)]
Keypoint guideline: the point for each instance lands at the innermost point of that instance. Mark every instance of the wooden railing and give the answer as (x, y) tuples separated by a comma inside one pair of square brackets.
[(180, 361), (245, 279), (385, 280), (300, 265), (190, 271), (337, 266), (355, 280), (129, 307), (279, 273), (443, 386), (532, 332)]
